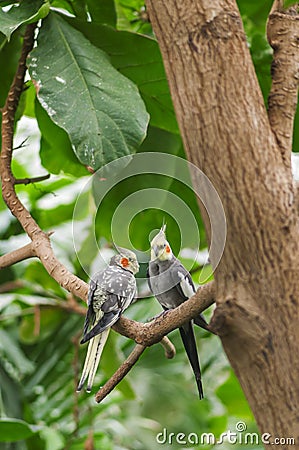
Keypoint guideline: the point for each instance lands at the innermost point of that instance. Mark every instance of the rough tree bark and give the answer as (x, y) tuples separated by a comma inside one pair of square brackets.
[(227, 134)]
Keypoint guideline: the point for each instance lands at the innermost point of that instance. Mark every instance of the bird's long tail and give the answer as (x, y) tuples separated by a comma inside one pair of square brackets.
[(188, 338), (93, 356)]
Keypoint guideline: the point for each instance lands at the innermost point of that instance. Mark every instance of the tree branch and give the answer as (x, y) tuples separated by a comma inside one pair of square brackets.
[(17, 255), (120, 373), (283, 36), (150, 333), (32, 180), (127, 366)]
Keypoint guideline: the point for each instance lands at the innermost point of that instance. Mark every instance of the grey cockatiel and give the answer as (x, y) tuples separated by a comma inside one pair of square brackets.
[(110, 293), (172, 285)]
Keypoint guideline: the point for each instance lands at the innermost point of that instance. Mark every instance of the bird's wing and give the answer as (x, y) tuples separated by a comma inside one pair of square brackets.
[(90, 315), (112, 309), (182, 280), (186, 288)]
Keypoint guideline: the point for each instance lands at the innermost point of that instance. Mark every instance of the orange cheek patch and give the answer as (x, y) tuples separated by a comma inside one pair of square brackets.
[(124, 262), (167, 249)]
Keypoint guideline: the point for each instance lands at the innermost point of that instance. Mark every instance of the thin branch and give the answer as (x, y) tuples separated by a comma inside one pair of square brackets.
[(18, 255), (127, 366), (10, 285), (169, 348), (32, 180), (21, 145), (283, 36), (40, 240), (120, 373)]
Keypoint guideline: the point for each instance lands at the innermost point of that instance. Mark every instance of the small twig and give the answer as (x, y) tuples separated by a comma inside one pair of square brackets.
[(72, 305), (21, 145), (31, 180), (283, 36), (11, 285), (17, 255), (169, 348), (89, 443), (36, 330), (120, 373)]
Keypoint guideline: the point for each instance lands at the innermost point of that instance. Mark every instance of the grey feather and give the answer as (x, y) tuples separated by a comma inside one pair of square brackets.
[(110, 292), (172, 285)]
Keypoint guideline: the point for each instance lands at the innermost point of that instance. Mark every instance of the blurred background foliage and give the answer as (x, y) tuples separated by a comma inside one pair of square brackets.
[(40, 359)]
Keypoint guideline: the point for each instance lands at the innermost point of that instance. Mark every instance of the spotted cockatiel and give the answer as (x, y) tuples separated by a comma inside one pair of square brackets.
[(172, 285), (110, 292)]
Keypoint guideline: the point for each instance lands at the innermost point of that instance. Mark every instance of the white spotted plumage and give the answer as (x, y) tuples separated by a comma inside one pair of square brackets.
[(110, 292)]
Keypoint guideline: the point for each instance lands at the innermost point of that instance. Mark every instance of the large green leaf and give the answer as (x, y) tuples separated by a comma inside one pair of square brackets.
[(25, 12), (138, 58), (12, 430), (81, 91), (56, 152)]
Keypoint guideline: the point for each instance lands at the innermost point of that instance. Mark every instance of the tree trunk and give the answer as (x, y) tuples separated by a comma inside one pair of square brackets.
[(227, 134)]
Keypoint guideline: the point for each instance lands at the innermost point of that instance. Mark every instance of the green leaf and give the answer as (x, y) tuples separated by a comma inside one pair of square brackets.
[(10, 347), (138, 58), (100, 109), (12, 430), (25, 12), (102, 11), (56, 152)]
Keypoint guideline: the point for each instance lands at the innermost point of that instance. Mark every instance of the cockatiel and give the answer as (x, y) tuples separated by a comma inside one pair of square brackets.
[(110, 292), (172, 285)]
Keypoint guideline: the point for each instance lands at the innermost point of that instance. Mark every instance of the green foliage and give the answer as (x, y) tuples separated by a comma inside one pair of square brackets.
[(73, 75), (96, 74), (138, 58), (12, 430), (23, 13)]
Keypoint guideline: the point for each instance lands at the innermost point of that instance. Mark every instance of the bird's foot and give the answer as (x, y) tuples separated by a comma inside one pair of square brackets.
[(161, 314)]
